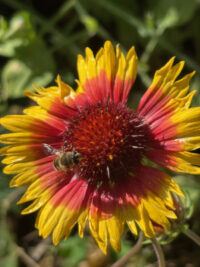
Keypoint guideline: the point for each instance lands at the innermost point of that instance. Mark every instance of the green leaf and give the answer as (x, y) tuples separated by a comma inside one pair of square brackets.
[(17, 32), (34, 65), (31, 60), (36, 57), (8, 255), (20, 26), (3, 27), (15, 76), (5, 190), (169, 13), (190, 184), (8, 48), (4, 182), (73, 250)]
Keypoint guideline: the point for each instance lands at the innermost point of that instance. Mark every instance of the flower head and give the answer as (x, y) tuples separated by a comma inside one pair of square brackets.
[(82, 152)]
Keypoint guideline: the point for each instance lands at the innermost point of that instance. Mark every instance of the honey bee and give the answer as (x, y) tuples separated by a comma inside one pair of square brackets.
[(63, 160)]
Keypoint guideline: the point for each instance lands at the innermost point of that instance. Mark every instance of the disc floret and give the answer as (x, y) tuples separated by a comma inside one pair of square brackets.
[(111, 139)]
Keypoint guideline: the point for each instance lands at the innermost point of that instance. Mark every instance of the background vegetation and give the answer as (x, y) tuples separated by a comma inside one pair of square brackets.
[(38, 40)]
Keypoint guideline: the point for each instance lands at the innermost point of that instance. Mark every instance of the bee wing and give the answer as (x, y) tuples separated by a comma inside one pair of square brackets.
[(50, 150)]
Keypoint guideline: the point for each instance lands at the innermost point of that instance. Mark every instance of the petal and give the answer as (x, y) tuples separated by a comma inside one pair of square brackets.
[(185, 162), (108, 74), (164, 88), (115, 226), (61, 213)]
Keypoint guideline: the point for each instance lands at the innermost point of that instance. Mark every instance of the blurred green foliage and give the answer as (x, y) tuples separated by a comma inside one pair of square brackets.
[(38, 40), (29, 59), (73, 251)]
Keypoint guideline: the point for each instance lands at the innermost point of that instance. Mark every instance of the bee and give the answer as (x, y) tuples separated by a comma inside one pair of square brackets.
[(63, 160)]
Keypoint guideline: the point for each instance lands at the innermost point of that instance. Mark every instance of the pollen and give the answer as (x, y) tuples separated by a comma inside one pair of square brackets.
[(111, 140)]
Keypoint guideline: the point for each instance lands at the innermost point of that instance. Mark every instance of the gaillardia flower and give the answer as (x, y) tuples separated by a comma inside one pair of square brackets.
[(82, 153)]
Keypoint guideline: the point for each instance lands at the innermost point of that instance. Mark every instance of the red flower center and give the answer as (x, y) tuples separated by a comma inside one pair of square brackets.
[(111, 140)]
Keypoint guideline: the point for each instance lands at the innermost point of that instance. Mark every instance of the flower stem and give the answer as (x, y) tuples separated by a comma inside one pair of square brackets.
[(26, 258), (134, 250), (192, 235), (159, 253)]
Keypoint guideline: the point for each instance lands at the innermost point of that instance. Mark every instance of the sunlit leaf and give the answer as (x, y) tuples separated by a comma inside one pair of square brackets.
[(17, 32), (15, 76)]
